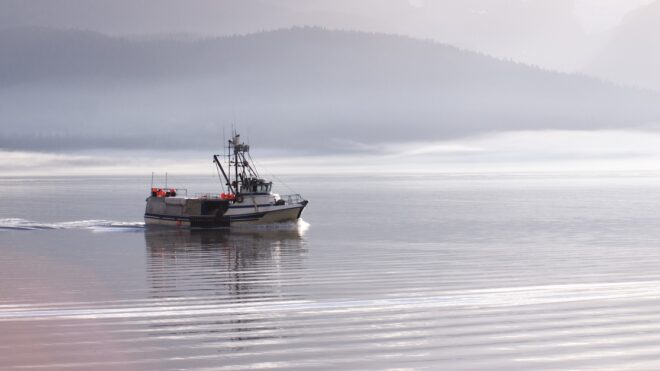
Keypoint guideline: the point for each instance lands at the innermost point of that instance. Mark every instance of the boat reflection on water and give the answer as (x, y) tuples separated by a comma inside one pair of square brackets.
[(214, 285), (232, 265)]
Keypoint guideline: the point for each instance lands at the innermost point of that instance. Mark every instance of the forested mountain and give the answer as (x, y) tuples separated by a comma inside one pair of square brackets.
[(334, 90)]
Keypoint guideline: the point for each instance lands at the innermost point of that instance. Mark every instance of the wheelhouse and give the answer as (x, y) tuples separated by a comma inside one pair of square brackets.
[(254, 185)]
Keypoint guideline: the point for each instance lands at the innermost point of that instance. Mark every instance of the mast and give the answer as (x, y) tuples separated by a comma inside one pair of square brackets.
[(244, 172)]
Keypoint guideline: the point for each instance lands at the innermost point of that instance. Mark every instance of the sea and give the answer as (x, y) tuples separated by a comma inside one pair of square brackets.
[(383, 272)]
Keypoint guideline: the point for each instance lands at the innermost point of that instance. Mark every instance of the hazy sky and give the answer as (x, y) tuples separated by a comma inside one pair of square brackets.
[(602, 15)]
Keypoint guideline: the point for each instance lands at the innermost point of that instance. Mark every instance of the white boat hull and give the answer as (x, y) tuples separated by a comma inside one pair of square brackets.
[(233, 217), (266, 217)]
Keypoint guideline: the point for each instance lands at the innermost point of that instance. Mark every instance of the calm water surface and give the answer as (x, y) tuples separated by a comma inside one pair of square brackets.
[(411, 272)]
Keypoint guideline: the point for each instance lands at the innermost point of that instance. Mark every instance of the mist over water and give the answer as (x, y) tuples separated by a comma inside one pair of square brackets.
[(523, 271)]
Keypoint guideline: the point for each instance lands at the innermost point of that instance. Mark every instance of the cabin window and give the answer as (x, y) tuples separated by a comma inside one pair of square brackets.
[(261, 188), (256, 187)]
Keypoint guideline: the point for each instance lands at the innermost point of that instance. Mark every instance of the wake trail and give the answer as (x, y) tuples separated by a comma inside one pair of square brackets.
[(17, 224)]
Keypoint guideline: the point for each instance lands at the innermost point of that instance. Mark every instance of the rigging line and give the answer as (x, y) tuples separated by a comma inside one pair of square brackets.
[(256, 172), (276, 178)]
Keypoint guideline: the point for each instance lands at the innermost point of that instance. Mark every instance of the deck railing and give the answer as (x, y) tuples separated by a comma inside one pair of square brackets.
[(292, 199), (289, 199)]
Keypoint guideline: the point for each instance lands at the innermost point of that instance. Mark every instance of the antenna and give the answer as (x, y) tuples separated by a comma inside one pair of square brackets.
[(152, 180), (166, 180)]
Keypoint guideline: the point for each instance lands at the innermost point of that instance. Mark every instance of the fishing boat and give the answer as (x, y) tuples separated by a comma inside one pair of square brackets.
[(248, 198)]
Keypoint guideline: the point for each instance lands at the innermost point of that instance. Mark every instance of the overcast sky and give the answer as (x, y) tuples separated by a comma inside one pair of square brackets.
[(602, 15)]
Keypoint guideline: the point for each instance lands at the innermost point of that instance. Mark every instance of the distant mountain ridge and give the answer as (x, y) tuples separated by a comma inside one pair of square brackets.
[(632, 56), (544, 32), (68, 89)]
